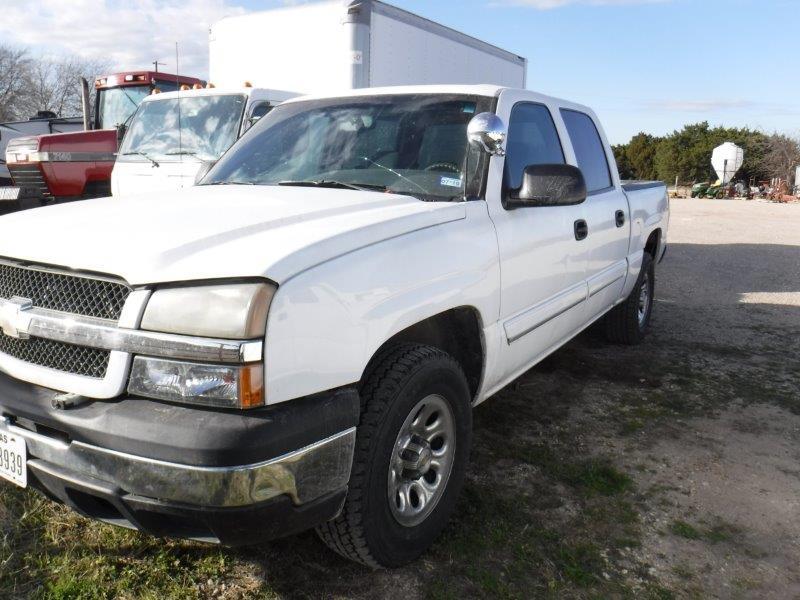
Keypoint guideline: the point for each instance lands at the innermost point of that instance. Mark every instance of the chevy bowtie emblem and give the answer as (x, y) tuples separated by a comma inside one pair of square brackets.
[(13, 320)]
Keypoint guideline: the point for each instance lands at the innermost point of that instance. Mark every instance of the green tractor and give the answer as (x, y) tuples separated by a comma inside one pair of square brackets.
[(715, 190), (699, 189)]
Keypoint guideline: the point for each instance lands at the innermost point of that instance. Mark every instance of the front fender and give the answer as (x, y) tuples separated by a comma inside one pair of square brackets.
[(327, 322)]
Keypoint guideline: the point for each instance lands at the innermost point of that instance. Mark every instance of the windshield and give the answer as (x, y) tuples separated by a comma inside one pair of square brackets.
[(199, 126), (410, 144), (116, 105)]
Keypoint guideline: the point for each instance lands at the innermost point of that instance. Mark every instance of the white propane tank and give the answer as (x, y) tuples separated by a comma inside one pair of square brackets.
[(726, 160)]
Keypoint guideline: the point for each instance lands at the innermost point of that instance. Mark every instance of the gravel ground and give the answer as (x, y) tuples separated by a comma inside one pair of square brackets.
[(668, 470)]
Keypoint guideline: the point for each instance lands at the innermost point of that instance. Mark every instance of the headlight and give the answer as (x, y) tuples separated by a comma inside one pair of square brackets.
[(210, 385), (30, 157), (230, 311), (235, 311)]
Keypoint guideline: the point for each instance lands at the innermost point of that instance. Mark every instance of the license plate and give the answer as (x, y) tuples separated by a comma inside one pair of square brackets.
[(13, 455)]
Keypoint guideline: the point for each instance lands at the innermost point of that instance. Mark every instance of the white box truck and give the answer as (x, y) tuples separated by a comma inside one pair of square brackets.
[(325, 47), (356, 44)]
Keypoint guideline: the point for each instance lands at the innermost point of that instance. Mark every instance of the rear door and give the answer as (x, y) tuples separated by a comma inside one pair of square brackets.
[(606, 212), (542, 264)]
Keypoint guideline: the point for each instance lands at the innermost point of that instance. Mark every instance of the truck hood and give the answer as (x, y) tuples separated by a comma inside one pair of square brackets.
[(102, 142), (212, 232), (129, 176)]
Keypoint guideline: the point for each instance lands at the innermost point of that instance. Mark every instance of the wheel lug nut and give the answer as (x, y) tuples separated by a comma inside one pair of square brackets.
[(409, 455)]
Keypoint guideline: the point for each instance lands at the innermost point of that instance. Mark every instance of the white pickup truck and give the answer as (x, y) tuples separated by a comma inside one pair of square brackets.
[(298, 341)]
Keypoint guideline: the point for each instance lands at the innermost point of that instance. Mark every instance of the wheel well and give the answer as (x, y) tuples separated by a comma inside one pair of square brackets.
[(653, 243), (457, 332)]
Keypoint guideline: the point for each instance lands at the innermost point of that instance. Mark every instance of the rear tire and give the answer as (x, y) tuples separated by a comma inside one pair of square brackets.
[(627, 323), (403, 487)]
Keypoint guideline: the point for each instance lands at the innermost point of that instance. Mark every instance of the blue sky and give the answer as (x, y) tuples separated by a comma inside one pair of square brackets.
[(649, 66), (643, 65)]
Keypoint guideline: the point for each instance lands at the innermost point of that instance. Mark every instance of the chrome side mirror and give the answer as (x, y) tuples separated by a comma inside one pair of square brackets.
[(488, 132)]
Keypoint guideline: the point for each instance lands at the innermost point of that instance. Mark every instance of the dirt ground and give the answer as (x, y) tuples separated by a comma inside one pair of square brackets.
[(669, 470)]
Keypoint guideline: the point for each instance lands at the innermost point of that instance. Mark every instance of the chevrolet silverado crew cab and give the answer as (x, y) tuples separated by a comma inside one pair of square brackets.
[(299, 340)]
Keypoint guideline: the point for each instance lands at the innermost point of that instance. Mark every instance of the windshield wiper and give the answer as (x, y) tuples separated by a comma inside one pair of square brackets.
[(152, 160), (181, 152), (329, 183)]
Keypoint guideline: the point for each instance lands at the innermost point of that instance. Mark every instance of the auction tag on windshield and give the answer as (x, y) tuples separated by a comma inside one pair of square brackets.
[(13, 458), (450, 182)]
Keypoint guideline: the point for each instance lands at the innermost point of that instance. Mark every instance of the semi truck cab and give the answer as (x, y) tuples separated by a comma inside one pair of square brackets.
[(71, 166)]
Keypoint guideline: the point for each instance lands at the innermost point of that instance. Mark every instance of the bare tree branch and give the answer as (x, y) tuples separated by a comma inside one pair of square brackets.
[(14, 66), (30, 85), (782, 157), (53, 84)]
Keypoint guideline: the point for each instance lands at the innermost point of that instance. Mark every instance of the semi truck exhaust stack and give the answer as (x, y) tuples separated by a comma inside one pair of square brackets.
[(87, 115)]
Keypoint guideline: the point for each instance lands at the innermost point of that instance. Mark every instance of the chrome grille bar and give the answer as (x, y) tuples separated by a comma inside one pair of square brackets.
[(106, 335)]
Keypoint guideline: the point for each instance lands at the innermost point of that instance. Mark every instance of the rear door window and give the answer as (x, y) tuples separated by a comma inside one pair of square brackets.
[(589, 150), (532, 140)]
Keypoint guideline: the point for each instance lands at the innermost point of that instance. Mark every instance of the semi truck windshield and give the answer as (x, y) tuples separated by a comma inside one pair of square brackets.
[(116, 105)]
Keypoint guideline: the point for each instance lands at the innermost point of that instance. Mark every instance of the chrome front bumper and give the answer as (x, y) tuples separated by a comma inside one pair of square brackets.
[(303, 475)]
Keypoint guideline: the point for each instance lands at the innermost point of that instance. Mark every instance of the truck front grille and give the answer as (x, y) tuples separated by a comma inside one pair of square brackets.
[(67, 358), (75, 294), (29, 176)]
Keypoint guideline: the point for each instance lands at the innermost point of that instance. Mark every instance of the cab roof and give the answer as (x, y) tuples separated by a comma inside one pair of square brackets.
[(488, 90), (279, 95)]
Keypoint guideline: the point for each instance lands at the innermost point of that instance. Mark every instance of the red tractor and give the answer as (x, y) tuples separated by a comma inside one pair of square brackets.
[(72, 166)]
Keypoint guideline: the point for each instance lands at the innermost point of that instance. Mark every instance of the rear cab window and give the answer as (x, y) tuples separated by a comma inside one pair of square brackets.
[(589, 150)]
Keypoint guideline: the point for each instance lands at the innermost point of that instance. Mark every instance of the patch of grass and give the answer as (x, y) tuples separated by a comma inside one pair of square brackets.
[(685, 530), (717, 533), (592, 476), (581, 564), (683, 571)]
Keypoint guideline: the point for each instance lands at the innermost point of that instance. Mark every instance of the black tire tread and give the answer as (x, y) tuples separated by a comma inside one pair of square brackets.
[(391, 366), (622, 321)]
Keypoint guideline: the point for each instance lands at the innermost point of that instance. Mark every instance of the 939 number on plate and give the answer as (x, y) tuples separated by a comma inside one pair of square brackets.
[(13, 455)]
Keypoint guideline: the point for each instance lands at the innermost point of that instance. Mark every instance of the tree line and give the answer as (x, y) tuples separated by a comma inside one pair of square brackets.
[(30, 84), (686, 154)]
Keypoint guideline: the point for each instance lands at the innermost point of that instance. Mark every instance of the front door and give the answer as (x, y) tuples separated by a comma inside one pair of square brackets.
[(542, 265)]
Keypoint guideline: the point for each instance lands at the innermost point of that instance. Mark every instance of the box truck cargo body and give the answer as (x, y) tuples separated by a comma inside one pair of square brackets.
[(341, 45)]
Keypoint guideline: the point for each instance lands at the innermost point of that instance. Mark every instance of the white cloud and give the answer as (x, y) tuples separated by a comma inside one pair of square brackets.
[(549, 4), (128, 35)]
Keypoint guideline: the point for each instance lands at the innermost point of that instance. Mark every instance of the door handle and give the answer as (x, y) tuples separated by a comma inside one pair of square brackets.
[(581, 230), (619, 217)]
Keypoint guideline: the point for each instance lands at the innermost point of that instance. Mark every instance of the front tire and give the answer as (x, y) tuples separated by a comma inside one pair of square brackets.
[(412, 449), (627, 323)]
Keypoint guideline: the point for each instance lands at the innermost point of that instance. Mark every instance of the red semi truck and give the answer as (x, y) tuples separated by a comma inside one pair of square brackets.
[(71, 166)]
